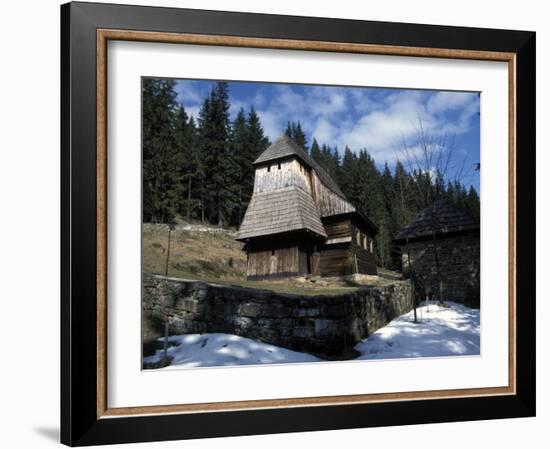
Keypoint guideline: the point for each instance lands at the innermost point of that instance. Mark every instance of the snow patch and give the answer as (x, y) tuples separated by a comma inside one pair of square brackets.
[(198, 350), (449, 330), (442, 331)]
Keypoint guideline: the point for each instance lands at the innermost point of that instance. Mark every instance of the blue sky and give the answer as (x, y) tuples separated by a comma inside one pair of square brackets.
[(381, 120)]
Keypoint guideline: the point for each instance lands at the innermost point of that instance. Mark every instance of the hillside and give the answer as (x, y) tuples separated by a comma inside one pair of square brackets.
[(212, 254), (196, 252)]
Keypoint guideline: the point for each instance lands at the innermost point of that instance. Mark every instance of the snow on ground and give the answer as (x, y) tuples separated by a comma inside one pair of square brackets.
[(441, 331), (196, 350)]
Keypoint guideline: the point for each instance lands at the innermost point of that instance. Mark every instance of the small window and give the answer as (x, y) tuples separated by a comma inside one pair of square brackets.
[(272, 252), (269, 168), (279, 166)]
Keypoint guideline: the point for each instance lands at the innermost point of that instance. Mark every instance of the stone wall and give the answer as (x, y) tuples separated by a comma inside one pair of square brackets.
[(328, 326), (459, 264)]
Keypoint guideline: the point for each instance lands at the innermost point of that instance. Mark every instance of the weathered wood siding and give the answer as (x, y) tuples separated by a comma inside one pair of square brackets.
[(346, 258), (348, 248), (303, 261), (292, 172), (278, 262), (337, 229), (279, 175), (335, 260), (365, 260), (290, 254), (328, 203)]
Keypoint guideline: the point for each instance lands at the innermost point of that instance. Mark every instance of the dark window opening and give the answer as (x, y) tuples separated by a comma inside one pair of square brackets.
[(279, 166), (272, 252), (269, 168)]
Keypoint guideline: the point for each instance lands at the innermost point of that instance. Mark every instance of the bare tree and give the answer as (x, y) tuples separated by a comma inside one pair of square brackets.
[(431, 158)]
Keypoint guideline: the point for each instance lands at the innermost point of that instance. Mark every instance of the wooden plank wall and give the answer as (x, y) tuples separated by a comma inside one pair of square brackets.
[(366, 263), (340, 261), (337, 229), (328, 203), (291, 173), (302, 262), (267, 263), (335, 261)]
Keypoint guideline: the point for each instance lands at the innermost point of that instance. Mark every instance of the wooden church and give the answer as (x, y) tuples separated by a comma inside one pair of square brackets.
[(299, 222)]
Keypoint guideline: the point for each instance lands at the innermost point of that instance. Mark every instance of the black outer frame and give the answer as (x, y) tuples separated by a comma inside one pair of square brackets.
[(79, 422)]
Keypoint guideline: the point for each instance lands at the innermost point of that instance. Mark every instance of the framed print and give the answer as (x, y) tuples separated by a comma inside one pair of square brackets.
[(279, 224)]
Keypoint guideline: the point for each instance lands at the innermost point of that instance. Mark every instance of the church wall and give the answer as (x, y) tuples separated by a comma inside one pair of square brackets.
[(281, 174)]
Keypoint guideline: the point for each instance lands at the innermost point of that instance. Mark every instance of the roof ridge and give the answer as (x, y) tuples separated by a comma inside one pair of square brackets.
[(450, 219)]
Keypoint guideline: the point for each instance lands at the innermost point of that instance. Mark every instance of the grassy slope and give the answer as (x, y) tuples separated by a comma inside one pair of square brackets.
[(218, 257)]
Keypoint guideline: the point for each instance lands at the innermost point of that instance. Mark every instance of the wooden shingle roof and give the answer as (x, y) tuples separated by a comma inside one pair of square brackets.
[(285, 147), (441, 218), (278, 211)]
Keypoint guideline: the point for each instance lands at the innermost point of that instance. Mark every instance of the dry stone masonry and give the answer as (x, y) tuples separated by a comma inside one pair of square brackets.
[(328, 326), (445, 236)]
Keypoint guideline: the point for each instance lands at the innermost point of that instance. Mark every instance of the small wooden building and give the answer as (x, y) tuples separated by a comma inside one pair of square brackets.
[(299, 222), (446, 237)]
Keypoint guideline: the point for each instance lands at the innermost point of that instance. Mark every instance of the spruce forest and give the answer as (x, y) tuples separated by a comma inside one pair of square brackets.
[(201, 169)]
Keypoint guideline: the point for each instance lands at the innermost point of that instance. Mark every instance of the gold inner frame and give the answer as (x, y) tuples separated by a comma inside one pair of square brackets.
[(104, 35)]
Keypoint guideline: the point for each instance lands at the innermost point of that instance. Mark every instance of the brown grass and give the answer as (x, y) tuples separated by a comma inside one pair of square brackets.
[(218, 258)]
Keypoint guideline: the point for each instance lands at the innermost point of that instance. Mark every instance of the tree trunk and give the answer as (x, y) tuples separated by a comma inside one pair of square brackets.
[(168, 252), (189, 199), (413, 279)]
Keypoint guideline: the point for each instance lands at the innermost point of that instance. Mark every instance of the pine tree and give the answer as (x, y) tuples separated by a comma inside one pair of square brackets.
[(160, 153), (288, 130), (195, 170), (336, 163), (327, 161), (257, 143), (347, 174), (243, 153), (295, 132), (315, 151), (388, 229), (299, 136), (183, 160), (257, 139), (473, 205), (219, 164)]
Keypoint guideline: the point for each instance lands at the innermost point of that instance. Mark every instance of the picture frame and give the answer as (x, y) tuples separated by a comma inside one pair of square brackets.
[(86, 28)]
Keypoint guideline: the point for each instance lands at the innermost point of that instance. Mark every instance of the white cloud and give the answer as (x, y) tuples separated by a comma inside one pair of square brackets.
[(235, 107), (272, 124), (380, 120), (193, 111), (395, 121), (324, 131), (287, 100), (259, 100), (327, 101), (445, 101), (188, 93)]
